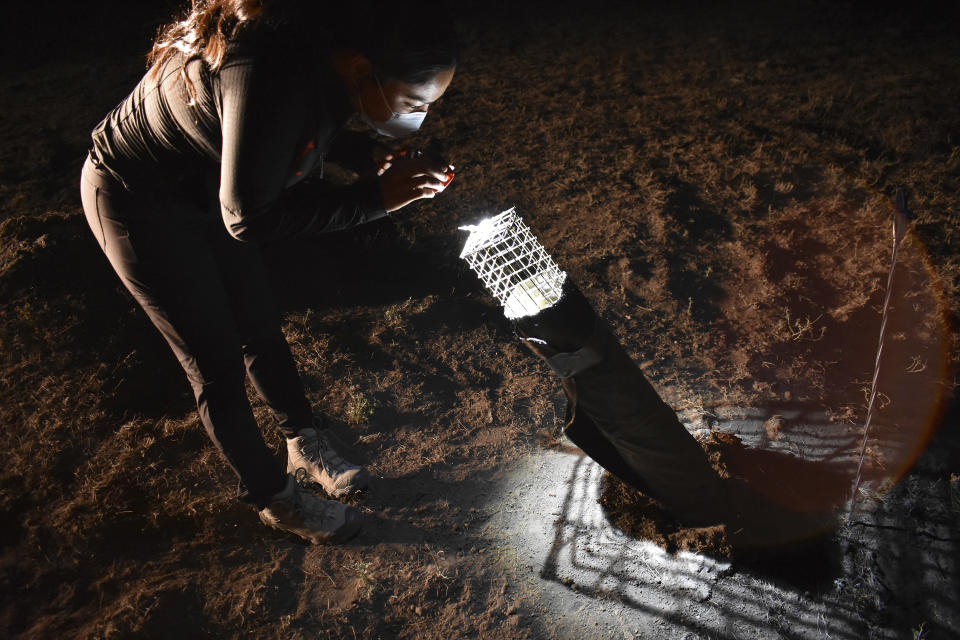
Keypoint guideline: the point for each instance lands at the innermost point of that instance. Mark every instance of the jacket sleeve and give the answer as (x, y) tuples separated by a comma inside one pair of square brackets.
[(352, 150), (262, 118)]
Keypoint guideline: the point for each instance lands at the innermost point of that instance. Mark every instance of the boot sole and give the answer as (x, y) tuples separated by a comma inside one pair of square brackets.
[(344, 533)]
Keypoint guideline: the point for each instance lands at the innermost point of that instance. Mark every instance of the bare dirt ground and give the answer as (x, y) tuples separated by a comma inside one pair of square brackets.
[(719, 184)]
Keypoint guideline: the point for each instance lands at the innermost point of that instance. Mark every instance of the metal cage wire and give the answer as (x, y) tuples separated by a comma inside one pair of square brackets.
[(513, 265)]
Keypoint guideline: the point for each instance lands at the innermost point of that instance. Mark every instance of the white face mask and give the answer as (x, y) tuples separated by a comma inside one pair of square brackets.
[(398, 124)]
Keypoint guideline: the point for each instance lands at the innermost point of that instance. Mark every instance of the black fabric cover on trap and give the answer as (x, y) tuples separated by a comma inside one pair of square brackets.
[(616, 417)]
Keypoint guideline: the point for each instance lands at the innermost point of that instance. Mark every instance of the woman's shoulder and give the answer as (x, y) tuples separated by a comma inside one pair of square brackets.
[(269, 80), (271, 62)]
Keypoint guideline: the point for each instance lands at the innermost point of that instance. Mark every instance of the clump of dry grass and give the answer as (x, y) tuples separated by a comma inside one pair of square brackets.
[(360, 409)]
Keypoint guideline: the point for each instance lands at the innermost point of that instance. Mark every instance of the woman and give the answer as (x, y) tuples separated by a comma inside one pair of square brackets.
[(206, 159)]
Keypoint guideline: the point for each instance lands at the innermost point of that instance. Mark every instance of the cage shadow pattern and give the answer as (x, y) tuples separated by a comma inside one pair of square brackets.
[(594, 579)]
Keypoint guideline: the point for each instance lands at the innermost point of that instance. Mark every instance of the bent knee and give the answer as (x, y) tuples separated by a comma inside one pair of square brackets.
[(207, 372)]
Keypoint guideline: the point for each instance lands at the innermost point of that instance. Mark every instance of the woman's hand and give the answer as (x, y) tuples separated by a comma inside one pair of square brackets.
[(405, 178), (383, 158)]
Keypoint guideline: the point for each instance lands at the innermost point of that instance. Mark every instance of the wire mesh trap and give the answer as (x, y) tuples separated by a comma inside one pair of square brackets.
[(513, 265)]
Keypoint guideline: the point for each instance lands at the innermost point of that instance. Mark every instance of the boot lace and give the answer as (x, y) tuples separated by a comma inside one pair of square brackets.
[(318, 449), (310, 507)]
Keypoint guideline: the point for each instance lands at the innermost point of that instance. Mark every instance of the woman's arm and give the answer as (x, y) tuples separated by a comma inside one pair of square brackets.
[(262, 119), (354, 151)]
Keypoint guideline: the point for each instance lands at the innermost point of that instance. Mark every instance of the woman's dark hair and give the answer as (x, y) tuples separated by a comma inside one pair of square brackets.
[(391, 35), (402, 42)]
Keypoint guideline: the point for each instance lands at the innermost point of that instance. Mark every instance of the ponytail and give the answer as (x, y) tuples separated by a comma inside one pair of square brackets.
[(204, 33)]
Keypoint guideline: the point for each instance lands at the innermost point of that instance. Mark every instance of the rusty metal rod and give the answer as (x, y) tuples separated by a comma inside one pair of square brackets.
[(901, 216)]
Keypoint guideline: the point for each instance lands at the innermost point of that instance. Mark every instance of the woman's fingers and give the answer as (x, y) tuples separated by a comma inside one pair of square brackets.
[(420, 182), (432, 169), (407, 179), (423, 165)]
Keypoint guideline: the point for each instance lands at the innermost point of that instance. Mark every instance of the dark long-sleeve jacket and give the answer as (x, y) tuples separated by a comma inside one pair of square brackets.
[(257, 128)]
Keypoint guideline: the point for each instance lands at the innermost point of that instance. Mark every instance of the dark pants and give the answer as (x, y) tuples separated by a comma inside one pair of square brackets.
[(208, 294)]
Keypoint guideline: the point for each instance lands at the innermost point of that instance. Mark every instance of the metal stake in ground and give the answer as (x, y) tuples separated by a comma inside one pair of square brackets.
[(900, 217)]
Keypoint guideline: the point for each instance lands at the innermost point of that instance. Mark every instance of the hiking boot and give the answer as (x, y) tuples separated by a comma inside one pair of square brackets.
[(309, 516), (310, 456)]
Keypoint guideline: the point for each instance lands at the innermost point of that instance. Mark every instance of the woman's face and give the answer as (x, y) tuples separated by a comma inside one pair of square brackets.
[(380, 102)]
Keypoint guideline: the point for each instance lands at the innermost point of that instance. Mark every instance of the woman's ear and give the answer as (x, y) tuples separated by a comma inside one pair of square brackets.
[(359, 67)]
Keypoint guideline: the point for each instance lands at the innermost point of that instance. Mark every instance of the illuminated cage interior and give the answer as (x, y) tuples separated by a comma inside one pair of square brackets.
[(513, 265)]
